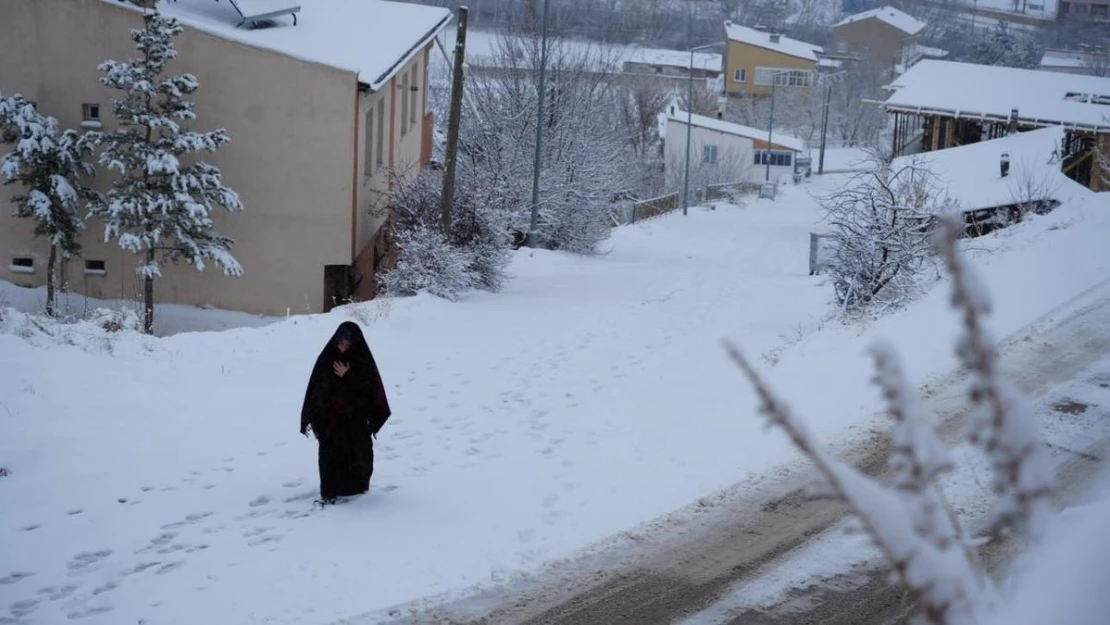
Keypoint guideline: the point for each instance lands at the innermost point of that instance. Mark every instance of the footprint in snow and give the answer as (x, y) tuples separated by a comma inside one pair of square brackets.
[(139, 568), (292, 484), (264, 539), (54, 593), (261, 500), (74, 512), (169, 568), (301, 497), (30, 528), (22, 608), (15, 577), (105, 588), (86, 559), (87, 612)]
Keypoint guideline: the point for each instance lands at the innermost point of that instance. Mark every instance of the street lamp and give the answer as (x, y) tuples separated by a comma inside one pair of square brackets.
[(690, 124)]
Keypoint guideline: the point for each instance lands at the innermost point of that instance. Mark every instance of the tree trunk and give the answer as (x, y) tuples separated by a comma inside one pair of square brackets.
[(148, 297), (51, 279)]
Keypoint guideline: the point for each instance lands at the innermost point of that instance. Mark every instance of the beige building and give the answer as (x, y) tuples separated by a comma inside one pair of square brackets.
[(756, 59), (885, 38), (319, 114)]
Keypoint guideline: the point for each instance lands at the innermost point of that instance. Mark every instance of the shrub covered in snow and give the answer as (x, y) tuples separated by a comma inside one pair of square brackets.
[(475, 255), (881, 222), (96, 331), (160, 207)]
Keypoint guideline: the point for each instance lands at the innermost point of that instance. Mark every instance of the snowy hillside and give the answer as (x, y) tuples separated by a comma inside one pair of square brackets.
[(163, 480)]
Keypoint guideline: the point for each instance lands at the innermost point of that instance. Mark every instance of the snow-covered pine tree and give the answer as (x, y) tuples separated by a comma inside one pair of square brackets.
[(161, 206), (51, 166)]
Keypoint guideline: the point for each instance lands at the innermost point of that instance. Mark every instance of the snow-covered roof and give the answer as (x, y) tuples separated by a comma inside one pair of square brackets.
[(931, 52), (890, 16), (763, 39), (482, 48), (785, 141), (373, 38), (1068, 59), (970, 174), (990, 92)]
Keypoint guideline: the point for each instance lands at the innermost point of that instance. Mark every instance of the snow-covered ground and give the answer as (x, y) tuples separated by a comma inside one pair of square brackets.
[(163, 480)]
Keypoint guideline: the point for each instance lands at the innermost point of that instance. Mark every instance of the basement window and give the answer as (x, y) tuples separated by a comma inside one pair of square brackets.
[(90, 116), (95, 268), (22, 264)]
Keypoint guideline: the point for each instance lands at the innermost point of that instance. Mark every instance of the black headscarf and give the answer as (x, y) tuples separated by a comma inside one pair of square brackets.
[(362, 384)]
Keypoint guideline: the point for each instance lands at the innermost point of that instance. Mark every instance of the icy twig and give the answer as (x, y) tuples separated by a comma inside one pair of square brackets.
[(1003, 426), (930, 561)]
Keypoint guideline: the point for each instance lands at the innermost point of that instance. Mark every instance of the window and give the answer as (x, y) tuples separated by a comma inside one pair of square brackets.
[(777, 159), (369, 157), (1099, 10), (22, 264), (381, 132), (783, 77), (413, 101), (842, 46), (709, 154), (95, 268), (405, 105), (90, 116), (740, 75)]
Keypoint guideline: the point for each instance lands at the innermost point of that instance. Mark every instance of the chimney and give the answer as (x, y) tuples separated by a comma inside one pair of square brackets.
[(1013, 121), (1004, 164), (775, 37)]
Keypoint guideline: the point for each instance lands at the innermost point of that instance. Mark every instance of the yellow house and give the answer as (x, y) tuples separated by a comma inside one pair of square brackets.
[(755, 58)]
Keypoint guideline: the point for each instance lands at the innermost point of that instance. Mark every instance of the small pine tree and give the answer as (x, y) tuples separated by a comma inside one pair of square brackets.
[(51, 165), (1002, 46), (160, 206)]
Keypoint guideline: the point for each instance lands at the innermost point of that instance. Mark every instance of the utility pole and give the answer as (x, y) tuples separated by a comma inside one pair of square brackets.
[(770, 130), (824, 128), (447, 198), (533, 235), (689, 114)]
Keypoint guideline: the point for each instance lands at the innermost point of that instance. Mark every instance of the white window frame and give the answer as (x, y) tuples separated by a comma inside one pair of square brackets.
[(16, 267), (90, 115), (740, 75), (96, 272), (405, 95), (371, 135), (709, 154), (783, 77), (414, 89), (379, 156), (762, 155)]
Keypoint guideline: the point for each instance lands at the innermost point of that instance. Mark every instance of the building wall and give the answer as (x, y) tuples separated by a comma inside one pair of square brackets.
[(874, 41), (402, 133), (291, 156), (735, 157), (749, 57)]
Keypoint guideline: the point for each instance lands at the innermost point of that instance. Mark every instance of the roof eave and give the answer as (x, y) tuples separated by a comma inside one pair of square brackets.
[(388, 74)]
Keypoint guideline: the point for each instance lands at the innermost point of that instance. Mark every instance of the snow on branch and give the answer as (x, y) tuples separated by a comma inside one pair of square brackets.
[(1002, 425), (910, 523)]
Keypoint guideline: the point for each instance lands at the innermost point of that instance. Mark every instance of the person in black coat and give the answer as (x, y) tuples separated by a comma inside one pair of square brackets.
[(344, 405)]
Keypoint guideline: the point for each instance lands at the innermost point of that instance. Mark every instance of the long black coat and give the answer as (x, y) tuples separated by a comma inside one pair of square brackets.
[(344, 412)]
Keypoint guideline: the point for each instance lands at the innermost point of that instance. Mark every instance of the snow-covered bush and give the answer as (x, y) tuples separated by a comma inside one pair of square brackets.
[(1004, 46), (476, 253), (881, 222), (931, 555), (429, 263), (50, 164), (161, 205), (98, 331)]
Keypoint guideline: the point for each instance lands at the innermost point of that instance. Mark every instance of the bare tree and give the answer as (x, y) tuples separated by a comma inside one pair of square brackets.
[(881, 221)]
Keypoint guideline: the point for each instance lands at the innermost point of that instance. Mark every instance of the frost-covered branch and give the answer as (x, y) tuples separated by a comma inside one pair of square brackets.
[(910, 523), (1002, 426)]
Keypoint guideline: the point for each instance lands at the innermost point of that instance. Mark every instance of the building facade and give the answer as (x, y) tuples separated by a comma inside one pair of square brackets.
[(755, 60), (312, 149), (724, 152), (884, 38)]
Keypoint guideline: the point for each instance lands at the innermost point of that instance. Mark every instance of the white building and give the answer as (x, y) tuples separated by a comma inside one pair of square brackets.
[(722, 151)]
